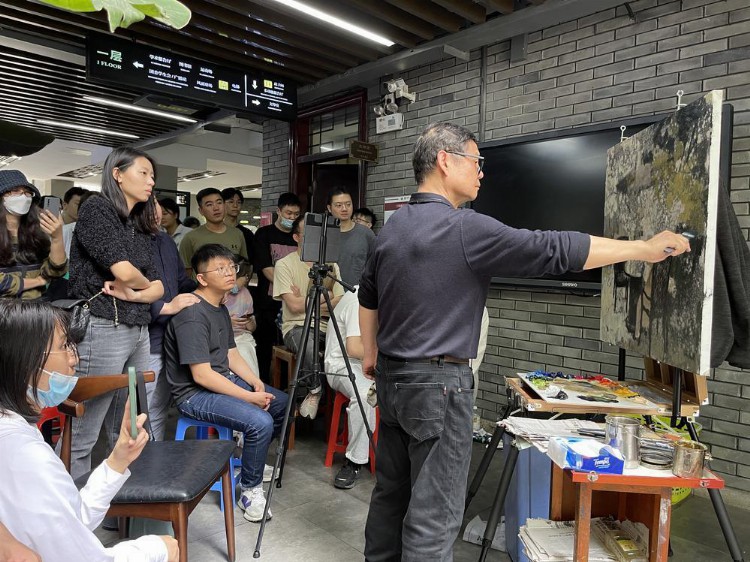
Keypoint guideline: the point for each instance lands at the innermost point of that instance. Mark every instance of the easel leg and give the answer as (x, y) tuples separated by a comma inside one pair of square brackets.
[(721, 511), (486, 459), (497, 506)]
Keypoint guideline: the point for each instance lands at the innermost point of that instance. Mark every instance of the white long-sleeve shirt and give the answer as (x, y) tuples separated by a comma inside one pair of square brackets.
[(41, 506)]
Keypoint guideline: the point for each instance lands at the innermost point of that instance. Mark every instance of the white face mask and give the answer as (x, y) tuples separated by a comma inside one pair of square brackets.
[(17, 204)]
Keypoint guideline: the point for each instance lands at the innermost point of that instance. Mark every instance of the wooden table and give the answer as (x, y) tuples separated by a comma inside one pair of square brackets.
[(638, 495)]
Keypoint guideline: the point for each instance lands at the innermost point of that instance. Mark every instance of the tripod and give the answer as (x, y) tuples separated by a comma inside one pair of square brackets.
[(318, 272)]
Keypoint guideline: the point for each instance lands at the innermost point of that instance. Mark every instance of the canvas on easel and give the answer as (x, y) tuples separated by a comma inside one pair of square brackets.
[(665, 177)]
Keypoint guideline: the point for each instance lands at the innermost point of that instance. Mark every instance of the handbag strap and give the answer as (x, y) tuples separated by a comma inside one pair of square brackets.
[(143, 403)]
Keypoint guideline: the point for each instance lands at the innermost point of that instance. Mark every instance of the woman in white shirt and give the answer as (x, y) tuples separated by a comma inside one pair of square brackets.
[(39, 502)]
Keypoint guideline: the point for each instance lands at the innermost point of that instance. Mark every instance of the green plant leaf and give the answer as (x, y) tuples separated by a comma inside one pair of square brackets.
[(123, 13), (73, 5)]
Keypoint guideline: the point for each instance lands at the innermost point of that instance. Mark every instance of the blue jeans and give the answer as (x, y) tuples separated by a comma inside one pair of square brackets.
[(106, 349), (423, 453), (258, 426)]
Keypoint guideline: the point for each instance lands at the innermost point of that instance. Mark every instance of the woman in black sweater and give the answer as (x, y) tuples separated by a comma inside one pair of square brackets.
[(111, 264)]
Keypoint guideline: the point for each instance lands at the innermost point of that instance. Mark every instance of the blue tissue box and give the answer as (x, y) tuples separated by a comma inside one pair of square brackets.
[(585, 454)]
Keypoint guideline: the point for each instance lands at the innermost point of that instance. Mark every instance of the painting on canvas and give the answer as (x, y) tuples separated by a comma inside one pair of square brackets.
[(665, 177)]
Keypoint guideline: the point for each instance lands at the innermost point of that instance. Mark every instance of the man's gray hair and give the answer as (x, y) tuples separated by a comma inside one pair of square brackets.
[(437, 137)]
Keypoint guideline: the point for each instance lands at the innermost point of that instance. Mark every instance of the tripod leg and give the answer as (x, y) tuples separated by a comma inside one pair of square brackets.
[(721, 511), (285, 428), (497, 506), (486, 459)]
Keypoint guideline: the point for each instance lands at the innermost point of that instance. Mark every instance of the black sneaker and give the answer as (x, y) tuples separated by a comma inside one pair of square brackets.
[(347, 476)]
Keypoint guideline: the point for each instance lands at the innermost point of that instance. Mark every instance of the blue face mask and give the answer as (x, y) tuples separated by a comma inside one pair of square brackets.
[(60, 387), (287, 223)]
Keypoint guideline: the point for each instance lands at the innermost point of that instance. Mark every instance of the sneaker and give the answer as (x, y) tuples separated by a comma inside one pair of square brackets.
[(253, 503), (347, 476), (267, 473), (309, 406)]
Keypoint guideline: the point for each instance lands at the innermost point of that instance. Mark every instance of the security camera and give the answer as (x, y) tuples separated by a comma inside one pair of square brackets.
[(393, 85)]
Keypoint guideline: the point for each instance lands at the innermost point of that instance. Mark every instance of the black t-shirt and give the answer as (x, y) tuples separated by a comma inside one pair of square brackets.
[(201, 333), (271, 244), (100, 240)]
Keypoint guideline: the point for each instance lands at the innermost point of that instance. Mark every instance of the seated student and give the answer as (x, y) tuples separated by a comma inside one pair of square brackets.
[(13, 551), (211, 382), (39, 502), (240, 307), (290, 286), (358, 448)]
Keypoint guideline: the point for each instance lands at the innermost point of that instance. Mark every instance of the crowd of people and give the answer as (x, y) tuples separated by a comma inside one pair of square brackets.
[(179, 301)]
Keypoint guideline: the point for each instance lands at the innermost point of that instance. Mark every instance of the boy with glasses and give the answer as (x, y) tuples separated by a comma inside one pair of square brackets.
[(210, 380)]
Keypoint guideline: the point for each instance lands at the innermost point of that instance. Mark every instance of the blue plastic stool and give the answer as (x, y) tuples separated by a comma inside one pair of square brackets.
[(201, 432)]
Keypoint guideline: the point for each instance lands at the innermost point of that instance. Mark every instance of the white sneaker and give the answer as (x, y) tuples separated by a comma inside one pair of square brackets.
[(253, 503), (309, 406), (268, 472)]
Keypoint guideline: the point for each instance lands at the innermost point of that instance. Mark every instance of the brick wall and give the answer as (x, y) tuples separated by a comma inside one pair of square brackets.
[(596, 69), (275, 162)]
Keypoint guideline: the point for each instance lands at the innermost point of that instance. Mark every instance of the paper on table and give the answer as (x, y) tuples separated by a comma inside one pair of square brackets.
[(538, 432)]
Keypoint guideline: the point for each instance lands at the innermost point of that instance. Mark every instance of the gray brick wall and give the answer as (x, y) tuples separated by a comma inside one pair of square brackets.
[(597, 69), (275, 179), (600, 68)]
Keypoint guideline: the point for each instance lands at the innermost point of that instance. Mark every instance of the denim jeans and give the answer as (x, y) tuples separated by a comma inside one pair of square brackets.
[(423, 453), (258, 426), (158, 395), (106, 349)]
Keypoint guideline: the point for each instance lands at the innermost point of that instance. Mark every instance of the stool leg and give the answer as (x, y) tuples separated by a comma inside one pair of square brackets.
[(333, 435)]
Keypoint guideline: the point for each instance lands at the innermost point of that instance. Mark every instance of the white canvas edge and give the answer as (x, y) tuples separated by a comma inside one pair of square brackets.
[(709, 266)]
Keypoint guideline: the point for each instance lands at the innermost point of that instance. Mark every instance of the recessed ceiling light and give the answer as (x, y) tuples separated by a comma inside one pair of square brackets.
[(86, 128), (130, 107), (338, 22)]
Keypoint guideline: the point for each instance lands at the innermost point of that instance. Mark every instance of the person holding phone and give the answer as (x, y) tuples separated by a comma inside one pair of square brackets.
[(31, 241), (40, 506)]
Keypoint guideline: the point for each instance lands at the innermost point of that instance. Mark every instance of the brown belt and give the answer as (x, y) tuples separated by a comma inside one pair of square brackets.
[(436, 359)]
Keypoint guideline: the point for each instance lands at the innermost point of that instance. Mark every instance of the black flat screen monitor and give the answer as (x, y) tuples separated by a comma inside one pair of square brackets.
[(552, 182)]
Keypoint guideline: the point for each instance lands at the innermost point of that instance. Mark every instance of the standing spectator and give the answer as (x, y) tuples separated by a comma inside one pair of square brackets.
[(211, 206), (112, 253), (365, 217), (71, 202), (233, 200), (422, 350), (70, 227), (170, 220), (178, 289), (272, 242), (31, 242), (191, 223), (356, 240)]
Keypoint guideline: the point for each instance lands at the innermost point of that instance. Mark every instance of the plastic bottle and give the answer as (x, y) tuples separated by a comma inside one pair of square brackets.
[(476, 420)]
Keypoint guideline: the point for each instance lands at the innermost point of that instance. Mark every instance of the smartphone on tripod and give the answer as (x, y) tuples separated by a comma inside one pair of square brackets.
[(313, 235)]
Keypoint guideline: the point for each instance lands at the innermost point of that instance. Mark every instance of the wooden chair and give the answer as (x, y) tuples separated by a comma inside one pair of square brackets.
[(169, 478), (282, 354)]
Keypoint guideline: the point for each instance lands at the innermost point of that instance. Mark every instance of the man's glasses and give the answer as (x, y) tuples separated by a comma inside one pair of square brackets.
[(480, 159), (233, 269)]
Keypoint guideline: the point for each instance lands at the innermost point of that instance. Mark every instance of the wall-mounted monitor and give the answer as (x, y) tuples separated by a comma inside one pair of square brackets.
[(552, 181)]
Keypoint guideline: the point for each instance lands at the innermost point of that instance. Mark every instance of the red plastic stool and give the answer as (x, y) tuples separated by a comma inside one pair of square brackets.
[(52, 415), (337, 442)]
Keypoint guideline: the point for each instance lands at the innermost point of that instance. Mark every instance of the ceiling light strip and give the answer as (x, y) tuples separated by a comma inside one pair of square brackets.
[(85, 128), (338, 22), (130, 107)]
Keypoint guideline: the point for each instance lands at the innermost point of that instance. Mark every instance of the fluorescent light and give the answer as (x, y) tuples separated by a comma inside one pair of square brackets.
[(338, 22), (85, 128), (130, 107)]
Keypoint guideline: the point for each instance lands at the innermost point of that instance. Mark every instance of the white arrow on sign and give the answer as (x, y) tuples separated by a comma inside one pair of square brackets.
[(255, 102), (137, 64), (255, 85)]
